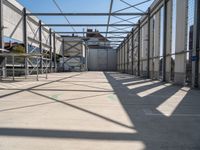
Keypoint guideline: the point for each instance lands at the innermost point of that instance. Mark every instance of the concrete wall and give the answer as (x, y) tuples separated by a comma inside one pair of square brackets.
[(13, 23), (102, 60)]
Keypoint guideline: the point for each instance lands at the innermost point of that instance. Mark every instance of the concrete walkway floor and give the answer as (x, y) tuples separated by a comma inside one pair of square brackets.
[(98, 111)]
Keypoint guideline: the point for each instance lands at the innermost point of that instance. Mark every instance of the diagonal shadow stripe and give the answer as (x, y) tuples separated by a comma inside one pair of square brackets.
[(17, 92), (68, 134), (46, 103), (84, 110)]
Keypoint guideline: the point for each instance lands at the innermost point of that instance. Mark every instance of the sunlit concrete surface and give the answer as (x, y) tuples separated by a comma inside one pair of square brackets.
[(98, 111)]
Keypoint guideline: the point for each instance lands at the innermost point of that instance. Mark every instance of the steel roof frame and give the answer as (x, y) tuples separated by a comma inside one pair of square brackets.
[(110, 14)]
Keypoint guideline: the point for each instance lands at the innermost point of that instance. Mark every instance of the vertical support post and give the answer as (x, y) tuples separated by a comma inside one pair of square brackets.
[(13, 67), (63, 58), (1, 24), (127, 67), (46, 67), (164, 40), (120, 48), (40, 46), (139, 48), (196, 44), (54, 52), (124, 55), (37, 78), (132, 52), (1, 39), (25, 41), (107, 65), (50, 49), (148, 44), (117, 58)]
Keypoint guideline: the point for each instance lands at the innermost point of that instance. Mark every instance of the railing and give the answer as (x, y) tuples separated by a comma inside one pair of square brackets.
[(32, 63)]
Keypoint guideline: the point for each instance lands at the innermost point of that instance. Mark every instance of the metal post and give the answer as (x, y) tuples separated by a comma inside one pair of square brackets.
[(196, 44), (54, 52), (40, 46), (1, 24), (46, 62), (13, 67), (127, 67), (25, 41), (120, 60), (37, 69), (164, 40), (107, 66), (132, 53), (121, 57), (1, 39), (124, 56), (50, 50), (139, 48), (148, 44), (63, 57)]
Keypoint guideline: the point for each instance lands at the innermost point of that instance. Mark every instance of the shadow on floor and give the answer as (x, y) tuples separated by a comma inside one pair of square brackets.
[(166, 119)]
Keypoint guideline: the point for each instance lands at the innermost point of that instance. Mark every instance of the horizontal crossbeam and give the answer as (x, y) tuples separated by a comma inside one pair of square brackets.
[(87, 25), (86, 14)]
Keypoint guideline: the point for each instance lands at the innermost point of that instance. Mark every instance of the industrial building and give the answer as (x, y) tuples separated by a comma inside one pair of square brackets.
[(121, 75)]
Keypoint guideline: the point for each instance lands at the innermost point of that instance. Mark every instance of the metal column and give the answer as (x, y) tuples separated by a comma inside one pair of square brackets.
[(1, 39), (121, 57), (132, 52), (63, 58), (124, 56), (127, 67), (138, 48), (148, 45), (54, 52), (50, 50), (196, 44), (25, 41), (40, 46), (164, 40), (1, 23)]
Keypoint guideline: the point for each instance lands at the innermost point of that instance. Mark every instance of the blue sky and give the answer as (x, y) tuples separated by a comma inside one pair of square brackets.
[(82, 6)]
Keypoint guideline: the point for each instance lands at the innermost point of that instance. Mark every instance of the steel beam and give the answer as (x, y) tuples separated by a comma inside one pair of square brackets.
[(139, 48), (124, 56), (196, 44), (127, 54), (50, 49), (148, 43), (63, 57), (86, 14), (132, 52), (116, 37), (89, 25), (132, 6), (54, 52), (1, 24), (40, 45), (25, 40), (90, 32), (109, 16), (4, 72)]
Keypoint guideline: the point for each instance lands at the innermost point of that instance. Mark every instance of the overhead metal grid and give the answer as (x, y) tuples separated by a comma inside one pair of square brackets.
[(123, 26)]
